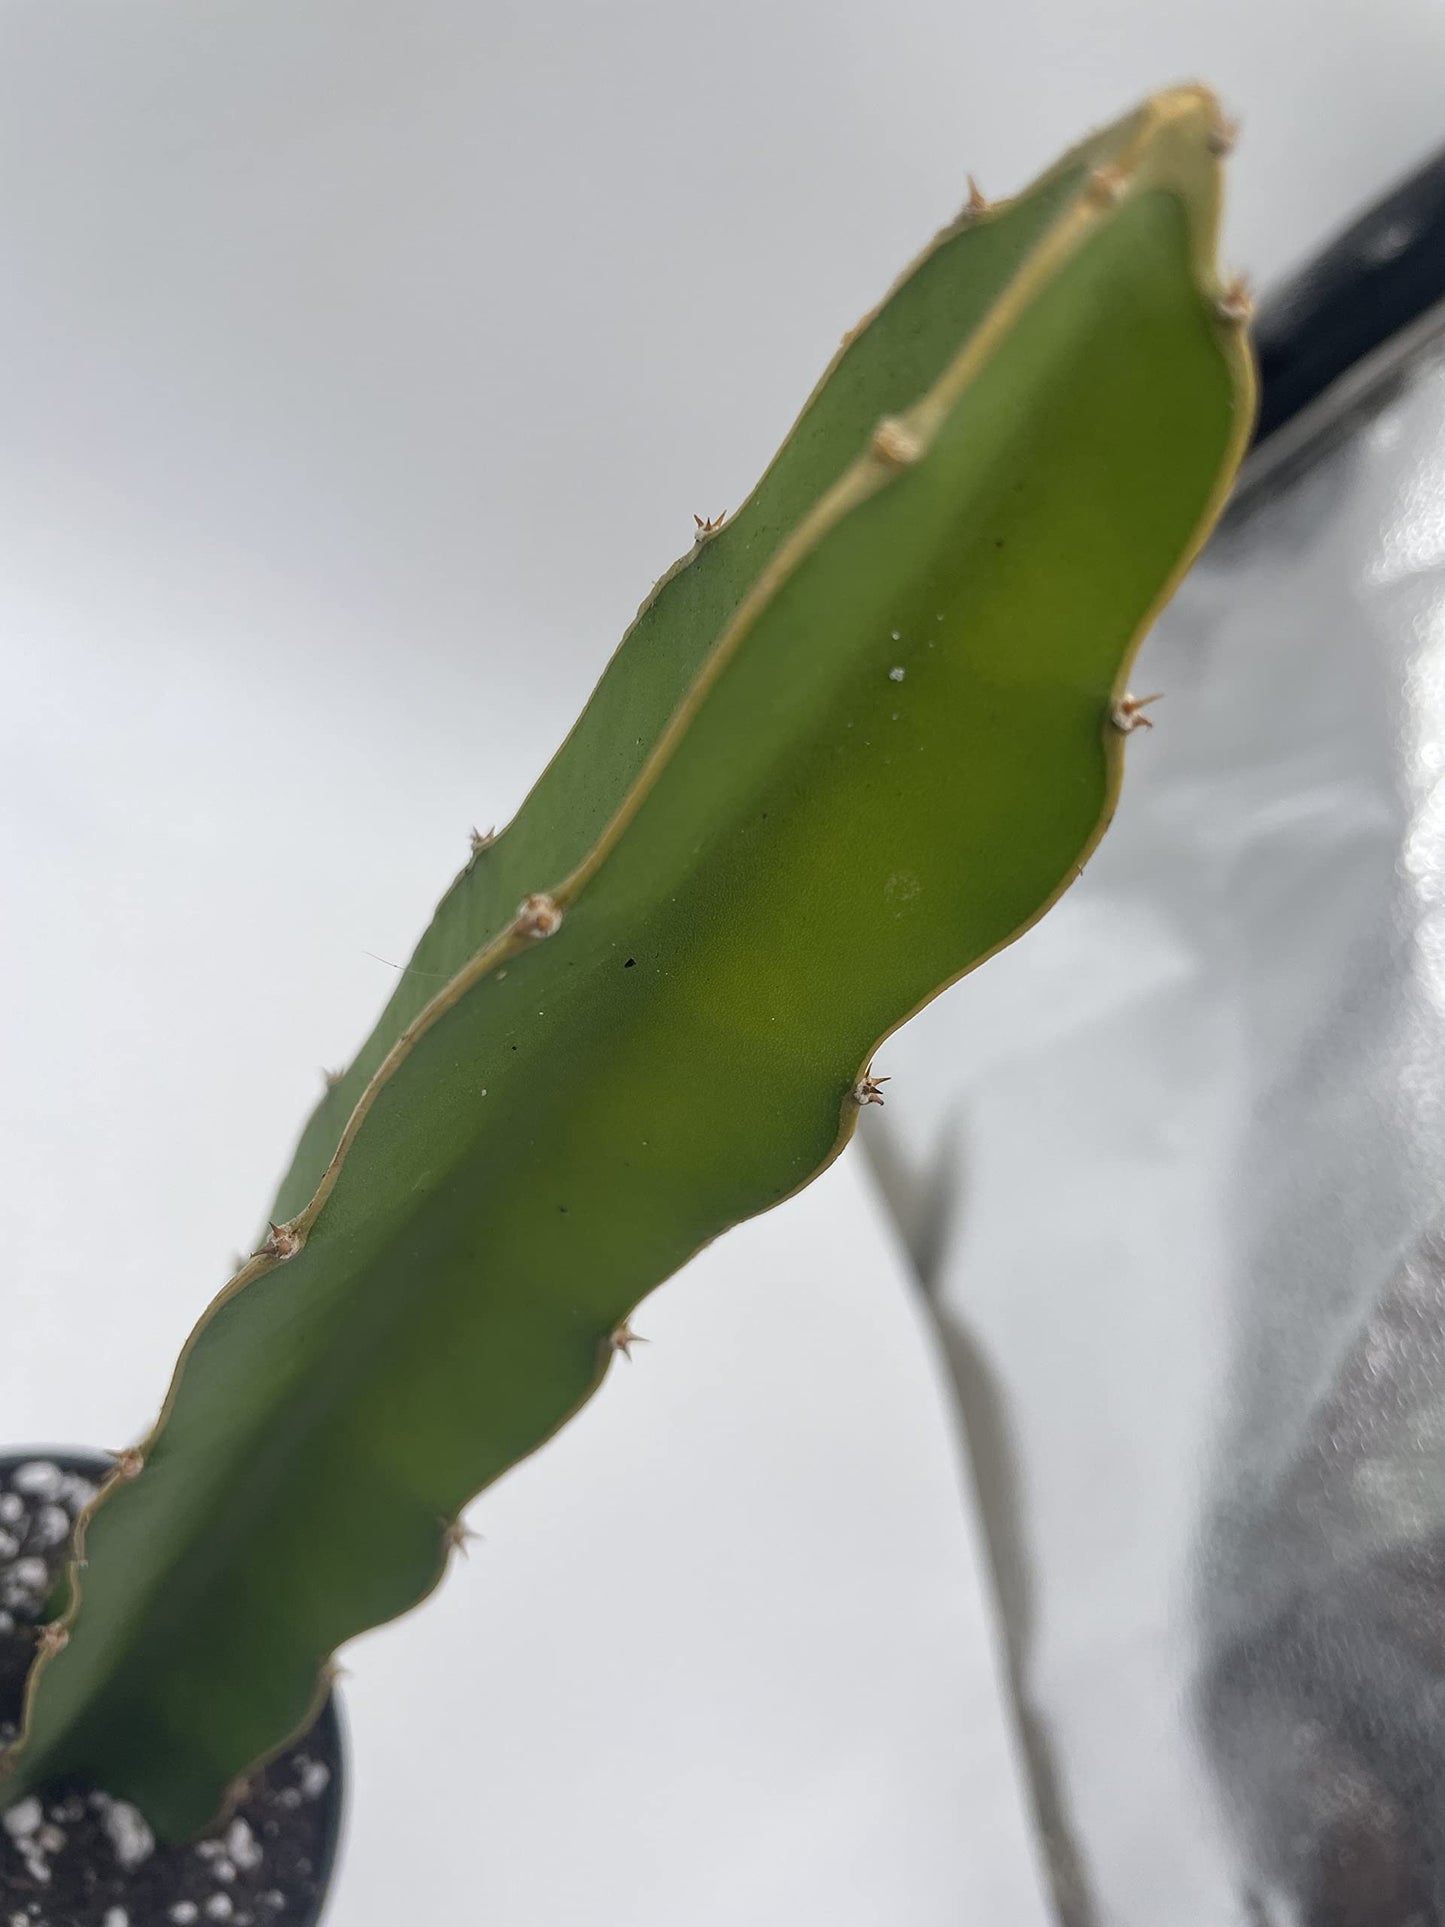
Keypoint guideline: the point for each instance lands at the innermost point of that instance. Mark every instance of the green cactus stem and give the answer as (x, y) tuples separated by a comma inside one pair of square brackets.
[(855, 742)]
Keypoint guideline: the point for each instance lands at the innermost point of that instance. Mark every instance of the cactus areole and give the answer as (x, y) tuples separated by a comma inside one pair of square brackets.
[(856, 741)]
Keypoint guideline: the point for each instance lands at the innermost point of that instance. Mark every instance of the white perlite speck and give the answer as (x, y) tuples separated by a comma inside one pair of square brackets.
[(12, 1508), (25, 1577), (184, 1911), (129, 1835), (315, 1777), (218, 1907), (38, 1479), (22, 1819), (76, 1492), (243, 1847), (36, 1865), (115, 1917), (52, 1525)]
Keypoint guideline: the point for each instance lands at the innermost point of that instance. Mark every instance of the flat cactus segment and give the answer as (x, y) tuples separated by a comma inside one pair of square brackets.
[(888, 755), (884, 365)]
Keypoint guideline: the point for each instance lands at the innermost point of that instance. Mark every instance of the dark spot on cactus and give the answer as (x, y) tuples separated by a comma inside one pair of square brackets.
[(630, 962)]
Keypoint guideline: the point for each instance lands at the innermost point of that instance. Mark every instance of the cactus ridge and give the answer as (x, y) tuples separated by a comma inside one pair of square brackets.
[(857, 739)]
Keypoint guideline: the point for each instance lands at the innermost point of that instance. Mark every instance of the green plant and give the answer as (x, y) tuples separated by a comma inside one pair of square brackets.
[(853, 744)]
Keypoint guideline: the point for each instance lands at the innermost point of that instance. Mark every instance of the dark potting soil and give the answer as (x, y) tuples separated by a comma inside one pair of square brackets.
[(76, 1858)]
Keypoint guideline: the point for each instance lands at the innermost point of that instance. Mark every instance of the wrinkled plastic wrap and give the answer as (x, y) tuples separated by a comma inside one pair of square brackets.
[(1172, 1169)]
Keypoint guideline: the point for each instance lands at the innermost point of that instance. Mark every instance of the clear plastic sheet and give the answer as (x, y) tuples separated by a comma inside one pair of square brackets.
[(1172, 1173)]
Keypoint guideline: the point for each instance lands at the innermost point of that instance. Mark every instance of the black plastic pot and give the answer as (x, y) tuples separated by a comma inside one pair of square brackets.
[(73, 1857)]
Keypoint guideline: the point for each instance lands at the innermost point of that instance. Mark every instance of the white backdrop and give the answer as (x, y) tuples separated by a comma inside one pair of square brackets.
[(362, 364)]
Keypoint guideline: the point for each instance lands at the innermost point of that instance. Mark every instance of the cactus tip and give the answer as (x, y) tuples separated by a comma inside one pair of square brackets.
[(332, 1078), (708, 525), (129, 1462), (977, 200), (1127, 715), (868, 1089), (623, 1339), (482, 839), (51, 1638), (538, 916), (895, 444)]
